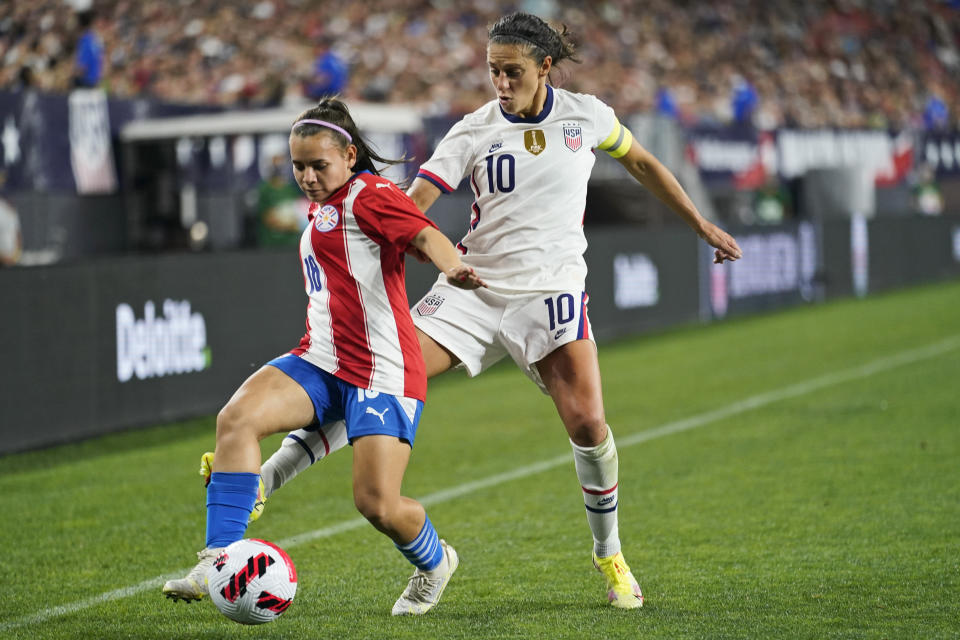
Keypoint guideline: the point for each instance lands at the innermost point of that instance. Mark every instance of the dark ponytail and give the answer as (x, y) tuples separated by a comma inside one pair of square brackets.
[(333, 110), (540, 38)]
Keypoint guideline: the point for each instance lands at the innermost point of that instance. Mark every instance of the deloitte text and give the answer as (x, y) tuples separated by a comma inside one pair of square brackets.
[(173, 343)]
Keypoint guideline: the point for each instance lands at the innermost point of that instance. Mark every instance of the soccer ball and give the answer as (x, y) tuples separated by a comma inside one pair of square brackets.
[(252, 581)]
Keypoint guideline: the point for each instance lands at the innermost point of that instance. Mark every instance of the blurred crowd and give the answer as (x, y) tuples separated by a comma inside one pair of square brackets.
[(770, 63)]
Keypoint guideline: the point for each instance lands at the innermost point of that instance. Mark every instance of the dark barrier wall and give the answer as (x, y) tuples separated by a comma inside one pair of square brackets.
[(99, 346), (95, 347), (640, 279), (910, 251), (825, 259), (780, 267), (860, 257)]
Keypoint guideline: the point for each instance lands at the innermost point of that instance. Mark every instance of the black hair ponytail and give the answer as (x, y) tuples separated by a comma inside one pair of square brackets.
[(528, 30), (333, 110)]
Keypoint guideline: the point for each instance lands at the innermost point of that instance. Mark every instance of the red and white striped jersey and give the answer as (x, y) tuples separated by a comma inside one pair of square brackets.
[(358, 321)]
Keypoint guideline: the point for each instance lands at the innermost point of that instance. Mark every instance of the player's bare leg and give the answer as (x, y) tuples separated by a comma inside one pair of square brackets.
[(436, 357), (379, 462), (571, 375), (267, 402)]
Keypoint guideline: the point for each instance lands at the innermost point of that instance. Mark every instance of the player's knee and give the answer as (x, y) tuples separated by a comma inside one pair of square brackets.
[(586, 429), (231, 423), (375, 509)]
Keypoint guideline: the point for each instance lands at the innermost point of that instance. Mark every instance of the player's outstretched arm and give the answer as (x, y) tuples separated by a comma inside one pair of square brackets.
[(651, 173), (436, 246), (424, 194)]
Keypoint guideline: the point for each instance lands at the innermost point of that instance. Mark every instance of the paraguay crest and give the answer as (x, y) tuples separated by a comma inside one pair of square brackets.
[(430, 304), (326, 218), (572, 136), (534, 141)]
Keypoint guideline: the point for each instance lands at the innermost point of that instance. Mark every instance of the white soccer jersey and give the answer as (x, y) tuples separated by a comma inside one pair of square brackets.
[(529, 181)]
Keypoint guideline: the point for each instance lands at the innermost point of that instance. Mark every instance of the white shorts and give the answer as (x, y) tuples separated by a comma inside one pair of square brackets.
[(480, 326)]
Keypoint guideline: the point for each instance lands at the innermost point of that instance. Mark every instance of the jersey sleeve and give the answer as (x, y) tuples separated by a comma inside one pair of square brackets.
[(614, 138), (391, 213), (449, 163)]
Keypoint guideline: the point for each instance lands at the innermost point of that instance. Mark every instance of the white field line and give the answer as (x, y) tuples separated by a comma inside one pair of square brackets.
[(880, 365)]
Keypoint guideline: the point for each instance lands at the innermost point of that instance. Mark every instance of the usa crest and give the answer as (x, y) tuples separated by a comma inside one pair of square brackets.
[(534, 141), (327, 218), (572, 137), (429, 304)]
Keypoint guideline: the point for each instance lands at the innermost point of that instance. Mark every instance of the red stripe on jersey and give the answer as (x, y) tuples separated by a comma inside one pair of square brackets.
[(348, 320), (434, 178), (304, 345), (366, 331), (393, 274), (584, 321), (305, 340)]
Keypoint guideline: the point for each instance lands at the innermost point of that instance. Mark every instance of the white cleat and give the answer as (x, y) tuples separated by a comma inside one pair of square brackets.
[(425, 587), (193, 586)]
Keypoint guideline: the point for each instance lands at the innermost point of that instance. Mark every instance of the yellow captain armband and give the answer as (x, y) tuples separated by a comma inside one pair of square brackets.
[(618, 142)]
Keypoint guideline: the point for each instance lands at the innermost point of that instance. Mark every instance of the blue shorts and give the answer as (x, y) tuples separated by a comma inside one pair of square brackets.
[(365, 412)]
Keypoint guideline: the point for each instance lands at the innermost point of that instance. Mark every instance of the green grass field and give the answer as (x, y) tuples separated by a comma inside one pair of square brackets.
[(792, 475)]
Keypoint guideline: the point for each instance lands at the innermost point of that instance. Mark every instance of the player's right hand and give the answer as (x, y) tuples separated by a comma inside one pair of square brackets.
[(726, 248), (464, 277)]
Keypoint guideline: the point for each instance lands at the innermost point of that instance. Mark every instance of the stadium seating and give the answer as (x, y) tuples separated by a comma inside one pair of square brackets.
[(771, 62)]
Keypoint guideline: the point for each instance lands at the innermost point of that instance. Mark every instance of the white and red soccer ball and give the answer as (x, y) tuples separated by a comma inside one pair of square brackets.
[(252, 581)]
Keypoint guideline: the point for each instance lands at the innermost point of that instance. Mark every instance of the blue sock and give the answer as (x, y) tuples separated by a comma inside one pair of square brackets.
[(230, 499), (425, 551)]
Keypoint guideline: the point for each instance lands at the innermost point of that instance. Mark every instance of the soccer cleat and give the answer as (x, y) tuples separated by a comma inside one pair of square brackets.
[(206, 468), (194, 585), (425, 587), (623, 591)]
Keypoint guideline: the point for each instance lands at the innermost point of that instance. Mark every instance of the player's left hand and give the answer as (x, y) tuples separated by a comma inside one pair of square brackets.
[(726, 247), (464, 277)]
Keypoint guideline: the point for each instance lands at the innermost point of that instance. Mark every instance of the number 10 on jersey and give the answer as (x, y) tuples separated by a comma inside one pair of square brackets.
[(560, 309), (500, 173), (312, 273)]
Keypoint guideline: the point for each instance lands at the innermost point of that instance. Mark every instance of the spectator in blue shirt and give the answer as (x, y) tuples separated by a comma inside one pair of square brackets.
[(744, 101), (666, 105), (330, 73), (936, 114), (89, 60)]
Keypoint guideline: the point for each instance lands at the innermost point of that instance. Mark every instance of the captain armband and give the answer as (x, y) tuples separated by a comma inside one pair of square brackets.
[(618, 142)]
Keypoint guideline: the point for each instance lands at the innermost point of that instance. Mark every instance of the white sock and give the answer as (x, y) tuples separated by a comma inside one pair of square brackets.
[(597, 469), (300, 449)]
